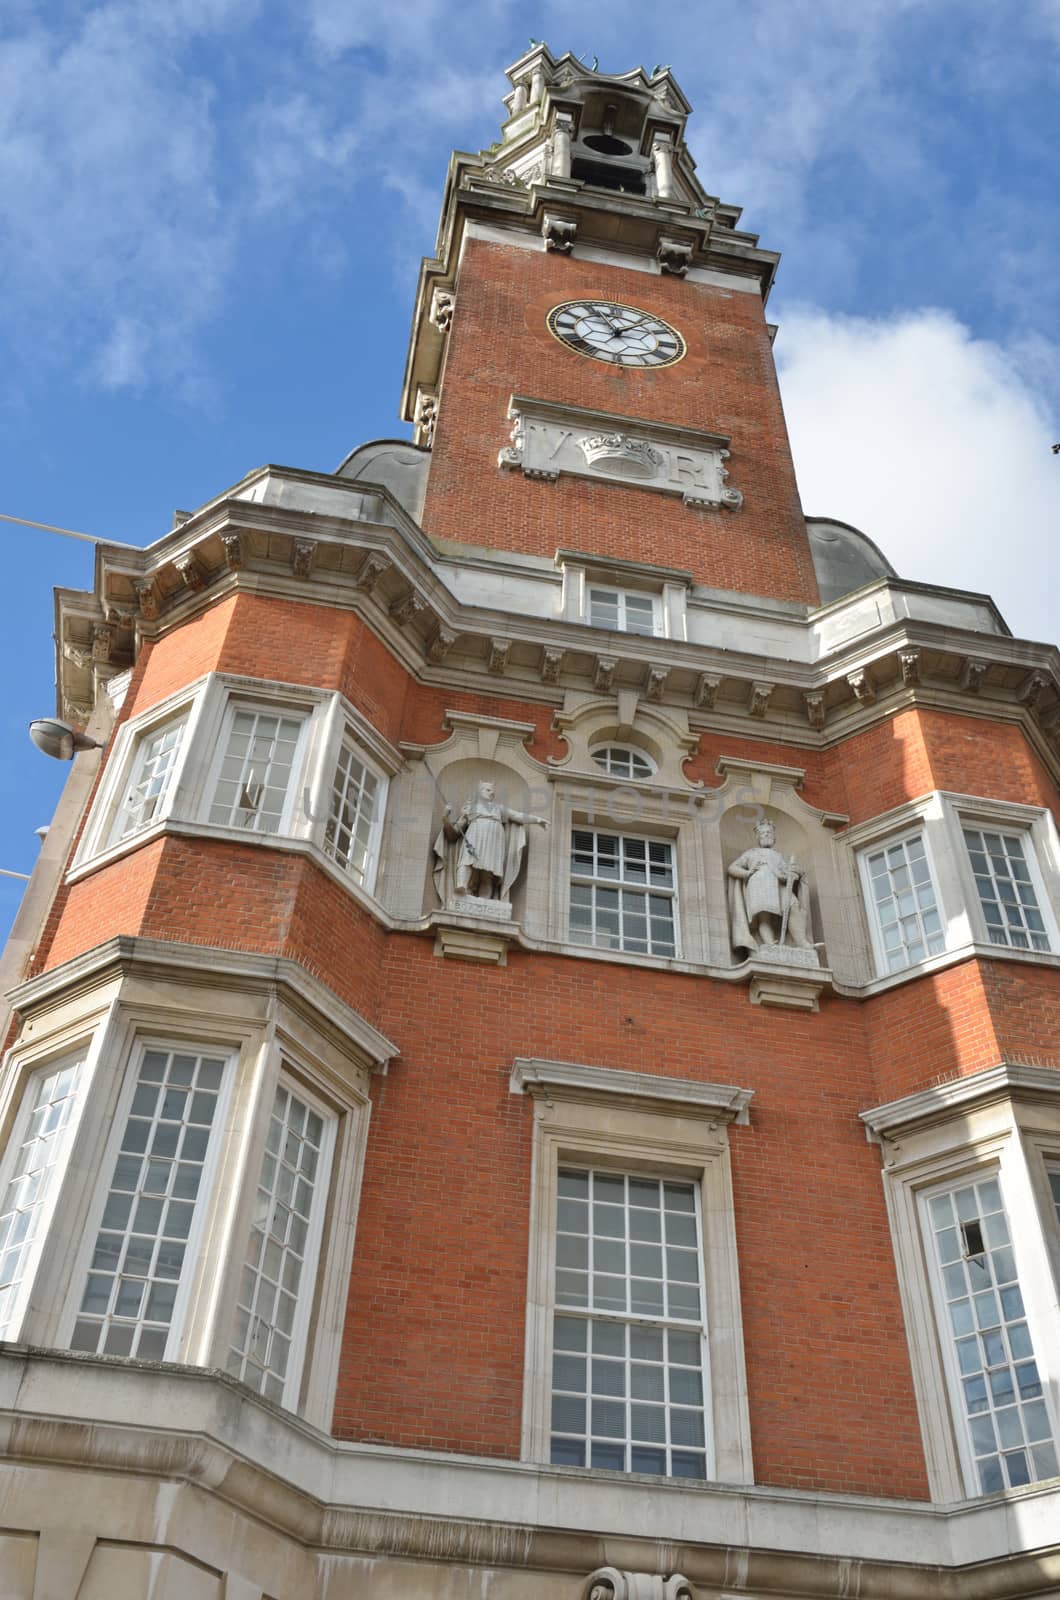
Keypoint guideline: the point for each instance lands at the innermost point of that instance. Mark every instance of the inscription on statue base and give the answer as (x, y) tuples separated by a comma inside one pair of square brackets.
[(473, 905), (787, 955)]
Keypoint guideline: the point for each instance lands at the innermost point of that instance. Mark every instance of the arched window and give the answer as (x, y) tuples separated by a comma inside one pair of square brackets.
[(622, 762)]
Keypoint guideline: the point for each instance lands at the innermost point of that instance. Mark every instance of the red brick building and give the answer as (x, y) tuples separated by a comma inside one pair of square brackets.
[(532, 1066)]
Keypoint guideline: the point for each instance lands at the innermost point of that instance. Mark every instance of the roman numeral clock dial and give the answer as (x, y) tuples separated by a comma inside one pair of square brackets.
[(619, 334)]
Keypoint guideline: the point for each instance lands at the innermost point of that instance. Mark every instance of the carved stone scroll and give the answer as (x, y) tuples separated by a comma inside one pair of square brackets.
[(608, 1583)]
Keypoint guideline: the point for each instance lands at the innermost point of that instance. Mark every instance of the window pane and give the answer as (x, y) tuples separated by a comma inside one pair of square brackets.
[(351, 813), (256, 771), (638, 1405), (622, 893), (281, 1253), (623, 763), (908, 922), (1006, 894), (140, 1250), (154, 765), (999, 1396), (33, 1166)]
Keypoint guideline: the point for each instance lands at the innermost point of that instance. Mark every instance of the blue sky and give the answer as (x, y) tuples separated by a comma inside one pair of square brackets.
[(212, 212)]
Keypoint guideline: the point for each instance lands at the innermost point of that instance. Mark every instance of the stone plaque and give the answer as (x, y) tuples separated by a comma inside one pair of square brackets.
[(547, 440)]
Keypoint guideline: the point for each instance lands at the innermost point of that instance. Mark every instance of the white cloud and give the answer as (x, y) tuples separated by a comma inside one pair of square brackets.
[(935, 444)]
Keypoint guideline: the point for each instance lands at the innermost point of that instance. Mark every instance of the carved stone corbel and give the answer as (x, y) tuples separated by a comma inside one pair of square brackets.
[(706, 691), (233, 548), (77, 655), (426, 417), (909, 667), (559, 233), (102, 642), (604, 672), (813, 699), (655, 682), (862, 687), (673, 255), (497, 660), (443, 304), (440, 646), (303, 556), (551, 665), (759, 698), (372, 569), (192, 572), (147, 599), (408, 608), (1033, 687), (972, 674)]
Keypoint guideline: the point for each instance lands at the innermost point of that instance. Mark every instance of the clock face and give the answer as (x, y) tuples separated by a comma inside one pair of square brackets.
[(621, 335)]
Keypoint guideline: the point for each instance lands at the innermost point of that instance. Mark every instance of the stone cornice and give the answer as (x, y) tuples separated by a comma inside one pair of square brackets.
[(944, 1100), (211, 967), (368, 556), (573, 1080), (201, 1431)]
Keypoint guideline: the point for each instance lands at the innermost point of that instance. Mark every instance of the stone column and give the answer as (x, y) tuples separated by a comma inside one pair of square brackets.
[(662, 153), (537, 85), (561, 136), (519, 99)]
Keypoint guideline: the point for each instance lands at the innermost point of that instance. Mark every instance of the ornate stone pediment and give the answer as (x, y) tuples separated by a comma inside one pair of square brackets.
[(548, 439)]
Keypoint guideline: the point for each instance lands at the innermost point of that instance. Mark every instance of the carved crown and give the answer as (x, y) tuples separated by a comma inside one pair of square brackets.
[(633, 458)]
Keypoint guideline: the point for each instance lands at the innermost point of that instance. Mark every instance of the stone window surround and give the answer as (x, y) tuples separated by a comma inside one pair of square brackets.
[(263, 1039), (582, 571), (669, 1127), (1004, 1120), (939, 816), (207, 704)]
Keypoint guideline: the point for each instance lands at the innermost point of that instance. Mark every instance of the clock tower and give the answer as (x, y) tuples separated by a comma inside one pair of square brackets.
[(586, 284), (532, 1062)]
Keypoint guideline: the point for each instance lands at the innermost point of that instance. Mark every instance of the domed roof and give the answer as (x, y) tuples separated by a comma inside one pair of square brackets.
[(844, 559)]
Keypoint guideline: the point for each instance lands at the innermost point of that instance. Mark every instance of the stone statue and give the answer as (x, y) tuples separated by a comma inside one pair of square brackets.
[(769, 900), (481, 852)]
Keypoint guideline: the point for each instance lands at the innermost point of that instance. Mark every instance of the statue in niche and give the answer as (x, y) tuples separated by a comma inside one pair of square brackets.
[(479, 854), (769, 901)]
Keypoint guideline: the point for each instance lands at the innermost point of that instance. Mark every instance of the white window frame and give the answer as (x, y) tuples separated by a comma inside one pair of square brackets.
[(940, 817), (672, 895), (879, 951), (667, 589), (99, 837), (1036, 838), (992, 1122), (78, 1056), (339, 728), (606, 746), (287, 1079), (328, 1054), (624, 594), (293, 822), (630, 1122), (210, 705), (947, 1338), (178, 1335)]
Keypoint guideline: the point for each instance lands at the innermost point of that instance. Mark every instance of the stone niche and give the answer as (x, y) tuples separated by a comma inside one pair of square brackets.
[(794, 972), (473, 926)]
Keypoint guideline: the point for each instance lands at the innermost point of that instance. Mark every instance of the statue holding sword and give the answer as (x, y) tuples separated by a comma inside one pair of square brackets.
[(769, 897)]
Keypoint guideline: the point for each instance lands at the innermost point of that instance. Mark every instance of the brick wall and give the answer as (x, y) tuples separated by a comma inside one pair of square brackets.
[(433, 1348)]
